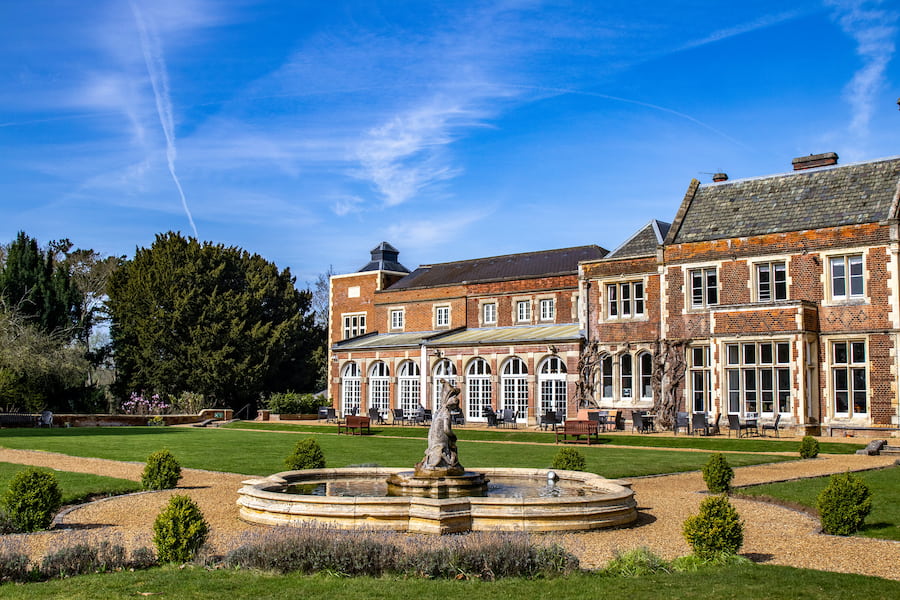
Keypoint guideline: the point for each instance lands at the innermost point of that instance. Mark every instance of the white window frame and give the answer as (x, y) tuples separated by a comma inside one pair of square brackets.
[(354, 325), (770, 287), (478, 389), (701, 390), (523, 311), (547, 308), (398, 318), (489, 313), (700, 285), (552, 376), (849, 369), (442, 316), (626, 299), (379, 387), (350, 387), (853, 284), (607, 378), (409, 396), (644, 363), (758, 377), (514, 388)]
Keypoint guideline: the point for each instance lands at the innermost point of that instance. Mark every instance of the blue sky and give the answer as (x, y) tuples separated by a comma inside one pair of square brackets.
[(310, 131)]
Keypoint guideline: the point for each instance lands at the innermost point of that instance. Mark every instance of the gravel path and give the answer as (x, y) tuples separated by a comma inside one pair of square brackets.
[(772, 534)]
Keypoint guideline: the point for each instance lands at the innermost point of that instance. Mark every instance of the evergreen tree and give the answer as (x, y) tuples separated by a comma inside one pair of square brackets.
[(209, 319), (39, 288)]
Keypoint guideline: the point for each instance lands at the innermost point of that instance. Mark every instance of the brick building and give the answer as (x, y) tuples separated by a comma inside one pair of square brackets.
[(779, 295)]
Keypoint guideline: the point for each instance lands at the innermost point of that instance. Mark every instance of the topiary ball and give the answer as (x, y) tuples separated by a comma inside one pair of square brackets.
[(161, 472), (715, 530), (844, 504), (717, 474), (307, 455), (32, 499)]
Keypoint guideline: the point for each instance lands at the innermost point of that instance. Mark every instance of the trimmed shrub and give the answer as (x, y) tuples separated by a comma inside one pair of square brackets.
[(569, 459), (809, 447), (636, 563), (844, 504), (716, 529), (295, 404), (81, 559), (307, 455), (717, 474), (32, 500), (161, 472), (179, 530)]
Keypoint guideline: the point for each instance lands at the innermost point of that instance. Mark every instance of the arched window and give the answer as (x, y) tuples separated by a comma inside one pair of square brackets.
[(514, 388), (552, 383), (380, 388), (408, 390), (350, 381), (606, 377), (645, 364), (478, 389), (444, 369), (626, 375)]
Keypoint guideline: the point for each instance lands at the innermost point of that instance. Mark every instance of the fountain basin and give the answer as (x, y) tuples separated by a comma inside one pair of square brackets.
[(598, 503)]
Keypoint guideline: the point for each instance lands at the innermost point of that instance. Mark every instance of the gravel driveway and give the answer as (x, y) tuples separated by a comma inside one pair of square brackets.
[(772, 534)]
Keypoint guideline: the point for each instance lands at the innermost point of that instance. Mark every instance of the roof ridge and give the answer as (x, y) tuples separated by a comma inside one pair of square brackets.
[(470, 260), (809, 171)]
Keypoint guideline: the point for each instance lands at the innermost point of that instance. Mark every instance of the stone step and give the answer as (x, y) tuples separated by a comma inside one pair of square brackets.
[(891, 450)]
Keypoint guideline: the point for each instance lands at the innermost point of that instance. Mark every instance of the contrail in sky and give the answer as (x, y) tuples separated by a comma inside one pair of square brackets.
[(156, 68)]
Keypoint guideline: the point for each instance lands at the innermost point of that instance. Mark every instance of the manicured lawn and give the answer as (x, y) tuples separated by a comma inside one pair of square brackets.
[(884, 520), (75, 486), (260, 453), (716, 443), (753, 581)]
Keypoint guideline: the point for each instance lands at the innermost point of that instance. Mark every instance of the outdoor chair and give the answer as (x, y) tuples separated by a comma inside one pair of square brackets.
[(419, 417), (773, 425), (323, 413), (715, 429), (548, 419), (352, 411), (509, 418), (457, 417), (330, 415), (46, 419), (682, 422), (598, 417), (734, 424), (397, 417), (637, 422), (491, 416), (375, 416), (427, 416), (699, 424)]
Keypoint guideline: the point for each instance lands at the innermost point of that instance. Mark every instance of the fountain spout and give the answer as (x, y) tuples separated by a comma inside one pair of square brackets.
[(441, 458)]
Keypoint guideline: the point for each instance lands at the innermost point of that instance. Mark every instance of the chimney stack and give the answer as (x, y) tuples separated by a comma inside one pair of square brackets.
[(717, 177), (815, 160)]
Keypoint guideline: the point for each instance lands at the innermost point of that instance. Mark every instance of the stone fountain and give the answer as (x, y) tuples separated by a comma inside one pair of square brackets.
[(439, 496)]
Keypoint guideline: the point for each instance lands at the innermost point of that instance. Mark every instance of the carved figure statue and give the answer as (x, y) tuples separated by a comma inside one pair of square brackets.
[(441, 457)]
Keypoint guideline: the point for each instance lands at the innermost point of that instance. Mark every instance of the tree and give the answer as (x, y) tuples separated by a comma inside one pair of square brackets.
[(205, 318), (39, 288)]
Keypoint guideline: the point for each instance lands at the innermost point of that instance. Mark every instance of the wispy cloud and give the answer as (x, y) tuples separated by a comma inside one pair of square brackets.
[(159, 79), (422, 235), (874, 29), (724, 34)]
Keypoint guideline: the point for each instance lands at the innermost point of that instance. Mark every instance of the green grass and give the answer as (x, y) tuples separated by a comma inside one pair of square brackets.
[(261, 453), (76, 487), (713, 444), (752, 581), (884, 520)]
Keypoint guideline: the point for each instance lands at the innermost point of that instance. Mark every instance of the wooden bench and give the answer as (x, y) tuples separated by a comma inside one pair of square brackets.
[(577, 429), (354, 425)]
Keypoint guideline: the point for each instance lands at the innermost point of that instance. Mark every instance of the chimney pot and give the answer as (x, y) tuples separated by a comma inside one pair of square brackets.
[(815, 160), (717, 177)]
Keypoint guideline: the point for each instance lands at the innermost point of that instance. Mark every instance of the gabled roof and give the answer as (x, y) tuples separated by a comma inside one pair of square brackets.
[(463, 337), (642, 243), (833, 196), (545, 263)]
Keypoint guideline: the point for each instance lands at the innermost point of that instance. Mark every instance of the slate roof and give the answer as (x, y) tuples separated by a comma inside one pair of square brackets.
[(642, 243), (412, 339), (823, 197), (384, 258), (563, 261)]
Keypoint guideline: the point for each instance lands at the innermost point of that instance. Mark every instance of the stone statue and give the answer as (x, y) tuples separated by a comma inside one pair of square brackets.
[(440, 457)]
